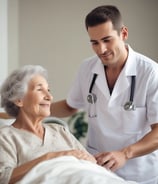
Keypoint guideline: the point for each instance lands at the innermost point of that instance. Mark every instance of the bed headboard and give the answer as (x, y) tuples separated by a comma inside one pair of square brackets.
[(5, 119), (4, 115)]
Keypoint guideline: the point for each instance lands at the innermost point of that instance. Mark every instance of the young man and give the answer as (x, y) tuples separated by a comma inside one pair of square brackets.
[(118, 88)]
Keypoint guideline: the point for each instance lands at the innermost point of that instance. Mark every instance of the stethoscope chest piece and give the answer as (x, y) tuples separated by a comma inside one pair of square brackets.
[(92, 98), (128, 106)]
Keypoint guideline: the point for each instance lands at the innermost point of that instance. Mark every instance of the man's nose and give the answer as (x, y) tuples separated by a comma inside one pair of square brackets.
[(101, 48)]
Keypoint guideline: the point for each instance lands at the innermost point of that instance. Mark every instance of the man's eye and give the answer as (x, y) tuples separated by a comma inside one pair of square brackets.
[(106, 41), (94, 43)]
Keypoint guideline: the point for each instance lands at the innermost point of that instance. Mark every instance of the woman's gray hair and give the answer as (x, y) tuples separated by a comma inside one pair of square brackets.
[(15, 86)]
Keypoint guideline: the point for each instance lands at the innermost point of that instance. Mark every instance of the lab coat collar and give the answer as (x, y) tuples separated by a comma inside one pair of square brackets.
[(101, 81), (98, 67), (130, 66), (123, 82)]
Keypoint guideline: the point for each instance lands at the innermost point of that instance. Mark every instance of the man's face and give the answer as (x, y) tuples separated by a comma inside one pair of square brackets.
[(108, 44)]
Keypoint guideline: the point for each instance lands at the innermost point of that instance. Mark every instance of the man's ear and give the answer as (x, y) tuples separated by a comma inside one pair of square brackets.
[(19, 103), (124, 33)]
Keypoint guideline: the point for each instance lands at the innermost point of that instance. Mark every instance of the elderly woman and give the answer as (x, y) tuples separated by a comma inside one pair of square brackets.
[(25, 95)]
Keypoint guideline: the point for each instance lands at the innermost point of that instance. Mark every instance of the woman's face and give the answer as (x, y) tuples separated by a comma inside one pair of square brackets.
[(37, 100)]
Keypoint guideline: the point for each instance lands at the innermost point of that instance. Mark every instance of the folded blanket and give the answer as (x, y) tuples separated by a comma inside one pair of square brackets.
[(70, 170)]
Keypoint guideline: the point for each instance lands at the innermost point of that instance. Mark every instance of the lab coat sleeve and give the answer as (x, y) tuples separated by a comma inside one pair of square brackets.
[(152, 97), (75, 96)]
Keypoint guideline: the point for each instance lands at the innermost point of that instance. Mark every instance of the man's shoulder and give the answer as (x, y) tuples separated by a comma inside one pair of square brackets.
[(140, 58), (146, 62), (89, 62), (92, 59)]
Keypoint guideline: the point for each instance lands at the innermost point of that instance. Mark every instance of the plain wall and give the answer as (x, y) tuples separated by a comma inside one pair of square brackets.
[(13, 34), (3, 40), (52, 33)]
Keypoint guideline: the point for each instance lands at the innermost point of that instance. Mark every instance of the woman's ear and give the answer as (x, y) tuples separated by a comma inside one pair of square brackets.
[(19, 103)]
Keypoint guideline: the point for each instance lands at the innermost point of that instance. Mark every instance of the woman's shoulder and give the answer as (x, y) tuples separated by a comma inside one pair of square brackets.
[(57, 129), (9, 132), (6, 132), (5, 129), (54, 126)]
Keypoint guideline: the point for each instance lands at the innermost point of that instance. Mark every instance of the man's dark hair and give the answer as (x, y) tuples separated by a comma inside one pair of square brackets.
[(104, 14)]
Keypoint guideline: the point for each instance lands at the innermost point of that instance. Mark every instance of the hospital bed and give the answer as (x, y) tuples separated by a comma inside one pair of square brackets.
[(7, 120), (65, 169)]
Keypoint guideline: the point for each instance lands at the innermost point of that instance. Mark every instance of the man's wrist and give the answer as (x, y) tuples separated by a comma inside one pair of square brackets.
[(127, 153)]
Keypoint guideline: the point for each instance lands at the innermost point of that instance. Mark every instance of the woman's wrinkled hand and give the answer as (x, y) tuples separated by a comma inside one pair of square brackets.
[(80, 154)]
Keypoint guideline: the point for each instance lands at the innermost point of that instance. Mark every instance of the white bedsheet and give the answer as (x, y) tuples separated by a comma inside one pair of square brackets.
[(69, 170)]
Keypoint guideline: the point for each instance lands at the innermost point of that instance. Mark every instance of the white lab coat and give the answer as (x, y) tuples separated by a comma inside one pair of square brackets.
[(114, 128)]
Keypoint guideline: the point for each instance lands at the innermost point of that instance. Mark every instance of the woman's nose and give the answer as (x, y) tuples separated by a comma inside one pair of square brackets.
[(48, 96)]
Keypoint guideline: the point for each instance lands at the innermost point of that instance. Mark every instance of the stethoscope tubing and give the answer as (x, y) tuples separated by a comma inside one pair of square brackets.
[(127, 106), (132, 88), (92, 83)]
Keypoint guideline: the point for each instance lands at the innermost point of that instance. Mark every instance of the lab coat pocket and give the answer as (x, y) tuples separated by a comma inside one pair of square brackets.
[(134, 121)]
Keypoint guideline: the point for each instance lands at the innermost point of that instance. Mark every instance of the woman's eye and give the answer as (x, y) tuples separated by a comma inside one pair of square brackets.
[(39, 89)]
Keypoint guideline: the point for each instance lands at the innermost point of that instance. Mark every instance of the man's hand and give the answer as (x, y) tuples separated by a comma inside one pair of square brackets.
[(111, 160)]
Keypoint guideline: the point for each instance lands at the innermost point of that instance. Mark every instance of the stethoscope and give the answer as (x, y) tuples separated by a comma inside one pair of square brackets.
[(92, 98), (128, 106)]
